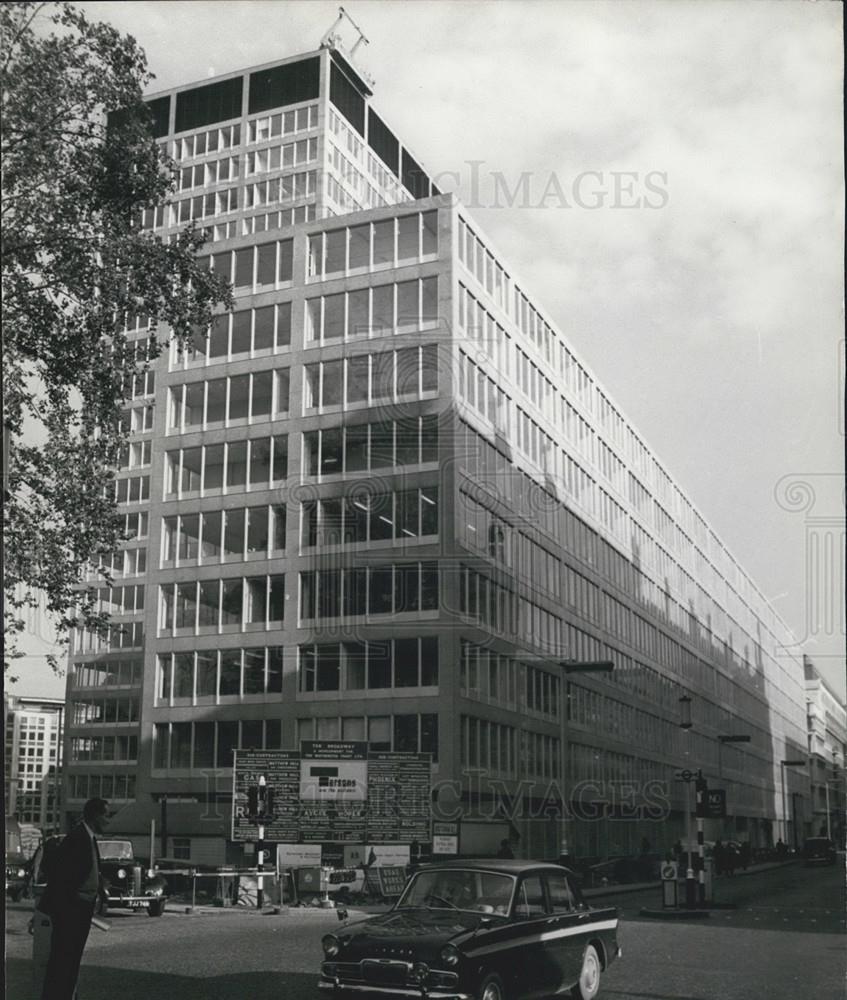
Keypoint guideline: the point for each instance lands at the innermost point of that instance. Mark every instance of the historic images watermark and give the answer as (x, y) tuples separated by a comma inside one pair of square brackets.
[(477, 796), (586, 189), (810, 496)]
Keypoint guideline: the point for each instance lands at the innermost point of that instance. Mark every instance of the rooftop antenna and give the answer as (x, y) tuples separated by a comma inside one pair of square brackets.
[(332, 39)]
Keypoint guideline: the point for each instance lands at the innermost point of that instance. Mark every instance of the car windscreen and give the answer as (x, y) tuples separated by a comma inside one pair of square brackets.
[(115, 850), (460, 889)]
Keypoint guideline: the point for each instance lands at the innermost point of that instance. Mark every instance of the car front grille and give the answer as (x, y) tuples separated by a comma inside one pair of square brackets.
[(385, 973)]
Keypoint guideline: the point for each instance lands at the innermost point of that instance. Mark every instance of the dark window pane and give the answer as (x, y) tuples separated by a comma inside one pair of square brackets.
[(429, 660), (236, 464), (207, 673), (260, 461), (329, 667), (357, 378), (204, 744), (355, 591), (275, 670), (280, 86), (429, 735), (286, 257), (380, 594), (280, 470), (254, 671), (239, 397), (215, 102), (266, 264), (407, 588), (252, 734), (227, 742), (276, 599), (230, 672), (382, 445), (243, 268), (234, 532), (231, 602), (263, 336), (429, 586), (379, 665), (356, 448), (406, 733), (405, 663), (241, 331), (283, 324), (329, 593), (331, 451)]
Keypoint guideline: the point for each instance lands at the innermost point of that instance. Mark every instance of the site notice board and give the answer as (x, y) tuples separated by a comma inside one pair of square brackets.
[(336, 791)]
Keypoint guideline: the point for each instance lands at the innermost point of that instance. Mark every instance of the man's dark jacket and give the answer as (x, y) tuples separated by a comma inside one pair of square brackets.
[(69, 867)]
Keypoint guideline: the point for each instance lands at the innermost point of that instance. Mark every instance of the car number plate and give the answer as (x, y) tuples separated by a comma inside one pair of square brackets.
[(137, 904)]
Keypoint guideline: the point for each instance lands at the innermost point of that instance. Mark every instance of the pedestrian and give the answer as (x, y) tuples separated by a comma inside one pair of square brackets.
[(745, 855), (645, 845), (719, 858), (780, 848), (677, 850), (73, 888), (505, 849)]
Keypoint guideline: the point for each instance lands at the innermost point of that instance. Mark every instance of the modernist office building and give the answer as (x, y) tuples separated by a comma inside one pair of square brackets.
[(384, 501), (33, 759)]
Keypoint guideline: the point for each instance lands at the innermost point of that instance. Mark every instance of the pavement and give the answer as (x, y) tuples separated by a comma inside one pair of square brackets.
[(359, 910)]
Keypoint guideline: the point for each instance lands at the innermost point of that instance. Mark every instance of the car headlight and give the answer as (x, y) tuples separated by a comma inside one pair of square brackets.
[(21, 872), (450, 955), (122, 873), (155, 890), (331, 945), (419, 972), (150, 873)]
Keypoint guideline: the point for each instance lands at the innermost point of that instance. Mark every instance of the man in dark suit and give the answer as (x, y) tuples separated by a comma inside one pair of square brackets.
[(73, 887)]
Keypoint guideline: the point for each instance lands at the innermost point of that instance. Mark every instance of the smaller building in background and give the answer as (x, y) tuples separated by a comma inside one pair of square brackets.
[(827, 729), (33, 760)]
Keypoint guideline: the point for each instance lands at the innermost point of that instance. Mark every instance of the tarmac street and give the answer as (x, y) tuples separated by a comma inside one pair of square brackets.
[(786, 939)]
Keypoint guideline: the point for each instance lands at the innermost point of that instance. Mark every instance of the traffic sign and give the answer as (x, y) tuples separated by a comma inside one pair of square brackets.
[(715, 805), (669, 870), (686, 775)]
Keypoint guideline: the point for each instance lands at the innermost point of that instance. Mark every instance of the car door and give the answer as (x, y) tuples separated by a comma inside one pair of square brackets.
[(537, 971), (568, 925)]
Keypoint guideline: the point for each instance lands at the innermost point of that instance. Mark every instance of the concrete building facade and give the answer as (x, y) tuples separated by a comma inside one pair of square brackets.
[(827, 730), (33, 760), (386, 501)]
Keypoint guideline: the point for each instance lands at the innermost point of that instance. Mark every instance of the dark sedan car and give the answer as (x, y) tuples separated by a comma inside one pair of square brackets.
[(477, 930), (819, 851), (128, 883)]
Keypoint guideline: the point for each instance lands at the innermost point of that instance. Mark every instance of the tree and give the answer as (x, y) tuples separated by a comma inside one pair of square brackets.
[(80, 165)]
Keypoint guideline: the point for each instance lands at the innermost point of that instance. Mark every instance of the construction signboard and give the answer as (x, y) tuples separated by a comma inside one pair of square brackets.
[(333, 791)]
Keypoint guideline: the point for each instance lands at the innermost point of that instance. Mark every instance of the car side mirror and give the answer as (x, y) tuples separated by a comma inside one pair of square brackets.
[(485, 922)]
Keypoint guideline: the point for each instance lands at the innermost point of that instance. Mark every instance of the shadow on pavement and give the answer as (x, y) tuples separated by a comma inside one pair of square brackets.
[(105, 983)]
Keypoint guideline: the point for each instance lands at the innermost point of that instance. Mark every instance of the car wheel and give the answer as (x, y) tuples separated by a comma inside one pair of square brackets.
[(156, 909), (491, 988), (588, 984)]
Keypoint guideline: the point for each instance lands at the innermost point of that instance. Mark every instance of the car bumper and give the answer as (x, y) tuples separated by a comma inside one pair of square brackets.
[(340, 988)]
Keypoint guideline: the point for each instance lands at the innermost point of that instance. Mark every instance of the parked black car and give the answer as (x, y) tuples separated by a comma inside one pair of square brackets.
[(17, 875), (488, 930), (819, 851), (129, 884)]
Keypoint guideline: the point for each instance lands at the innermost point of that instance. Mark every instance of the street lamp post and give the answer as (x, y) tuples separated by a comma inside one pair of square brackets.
[(685, 724), (783, 764), (573, 667)]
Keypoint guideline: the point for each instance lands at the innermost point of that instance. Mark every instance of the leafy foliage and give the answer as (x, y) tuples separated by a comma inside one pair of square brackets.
[(79, 166)]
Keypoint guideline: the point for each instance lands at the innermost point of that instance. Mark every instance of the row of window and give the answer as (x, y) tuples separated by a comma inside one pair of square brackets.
[(215, 468), (128, 635), (369, 378), (112, 787), (104, 711), (106, 748), (283, 123), (369, 517), (487, 746), (289, 154), (237, 534), (210, 605), (229, 402), (110, 673), (126, 562), (210, 172), (372, 590), (488, 676), (137, 419), (399, 307), (242, 334), (289, 187), (372, 245), (201, 745), (121, 600), (204, 143), (367, 447), (263, 265), (375, 665), (204, 674), (203, 206)]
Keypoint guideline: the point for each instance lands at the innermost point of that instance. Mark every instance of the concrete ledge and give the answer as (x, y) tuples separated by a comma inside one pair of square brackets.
[(674, 914)]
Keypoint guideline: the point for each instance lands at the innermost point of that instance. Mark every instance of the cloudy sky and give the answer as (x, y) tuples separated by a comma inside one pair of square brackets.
[(678, 172)]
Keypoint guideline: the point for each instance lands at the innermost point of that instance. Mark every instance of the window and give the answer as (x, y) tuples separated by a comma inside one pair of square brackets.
[(530, 898)]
